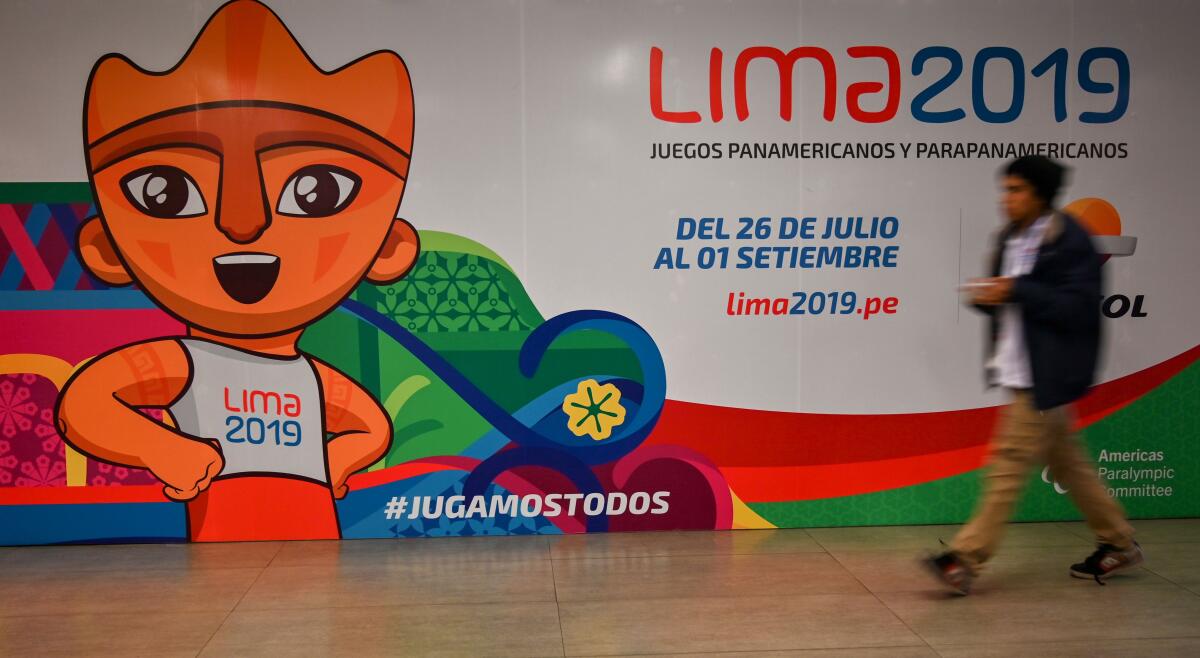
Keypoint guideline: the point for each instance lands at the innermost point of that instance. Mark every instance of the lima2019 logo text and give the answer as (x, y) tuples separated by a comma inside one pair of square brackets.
[(1101, 73)]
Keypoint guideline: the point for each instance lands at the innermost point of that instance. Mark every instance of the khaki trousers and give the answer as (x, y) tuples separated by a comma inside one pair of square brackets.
[(1025, 439)]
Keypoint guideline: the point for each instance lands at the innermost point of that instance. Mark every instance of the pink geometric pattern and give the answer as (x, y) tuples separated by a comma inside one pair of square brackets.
[(31, 452)]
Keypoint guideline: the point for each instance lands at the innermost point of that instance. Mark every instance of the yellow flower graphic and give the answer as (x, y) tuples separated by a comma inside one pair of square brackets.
[(594, 410)]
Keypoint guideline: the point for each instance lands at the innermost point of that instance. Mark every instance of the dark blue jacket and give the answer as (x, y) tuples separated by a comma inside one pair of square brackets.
[(1060, 311)]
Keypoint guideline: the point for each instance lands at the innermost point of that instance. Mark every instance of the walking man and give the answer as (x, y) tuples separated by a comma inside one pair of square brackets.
[(1043, 305)]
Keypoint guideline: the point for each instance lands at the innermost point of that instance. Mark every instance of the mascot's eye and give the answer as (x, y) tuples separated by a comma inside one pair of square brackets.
[(318, 191), (163, 191)]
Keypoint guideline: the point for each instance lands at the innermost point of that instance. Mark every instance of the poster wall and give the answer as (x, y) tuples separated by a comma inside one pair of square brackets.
[(305, 270)]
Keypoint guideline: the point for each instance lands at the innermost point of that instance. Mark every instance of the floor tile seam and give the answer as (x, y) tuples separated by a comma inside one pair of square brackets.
[(231, 610), (274, 556), (1063, 525), (1150, 570), (884, 604), (562, 635), (817, 541), (1151, 565)]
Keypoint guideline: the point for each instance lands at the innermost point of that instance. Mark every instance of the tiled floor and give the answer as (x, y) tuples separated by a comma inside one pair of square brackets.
[(821, 592)]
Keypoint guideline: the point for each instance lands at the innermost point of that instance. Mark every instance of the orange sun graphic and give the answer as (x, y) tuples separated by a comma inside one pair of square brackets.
[(1101, 219)]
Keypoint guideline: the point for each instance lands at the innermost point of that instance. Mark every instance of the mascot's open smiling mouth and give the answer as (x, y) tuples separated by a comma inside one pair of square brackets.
[(247, 277)]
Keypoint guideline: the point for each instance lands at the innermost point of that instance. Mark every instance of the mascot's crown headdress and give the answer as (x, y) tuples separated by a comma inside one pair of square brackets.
[(245, 55)]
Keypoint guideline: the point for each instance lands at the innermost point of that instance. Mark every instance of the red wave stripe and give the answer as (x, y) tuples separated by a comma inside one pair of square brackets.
[(1106, 399), (764, 484), (733, 437), (753, 438)]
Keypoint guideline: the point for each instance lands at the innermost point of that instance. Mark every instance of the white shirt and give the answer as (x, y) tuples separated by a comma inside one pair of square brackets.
[(265, 411), (1010, 362)]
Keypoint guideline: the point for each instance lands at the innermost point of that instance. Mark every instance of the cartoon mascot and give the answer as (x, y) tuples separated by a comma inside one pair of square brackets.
[(247, 192)]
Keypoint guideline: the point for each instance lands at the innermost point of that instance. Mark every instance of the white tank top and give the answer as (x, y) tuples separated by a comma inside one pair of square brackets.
[(267, 412)]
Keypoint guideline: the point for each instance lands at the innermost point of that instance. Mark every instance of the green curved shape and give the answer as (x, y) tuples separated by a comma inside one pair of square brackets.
[(442, 241), (396, 400), (403, 391)]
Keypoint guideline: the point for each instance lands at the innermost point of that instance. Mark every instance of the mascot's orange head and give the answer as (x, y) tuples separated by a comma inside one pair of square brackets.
[(246, 190)]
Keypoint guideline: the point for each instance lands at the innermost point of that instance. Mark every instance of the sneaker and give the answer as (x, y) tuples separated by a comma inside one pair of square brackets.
[(1106, 561), (950, 571)]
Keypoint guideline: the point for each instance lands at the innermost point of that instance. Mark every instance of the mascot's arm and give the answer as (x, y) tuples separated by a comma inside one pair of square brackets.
[(97, 414), (362, 431)]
